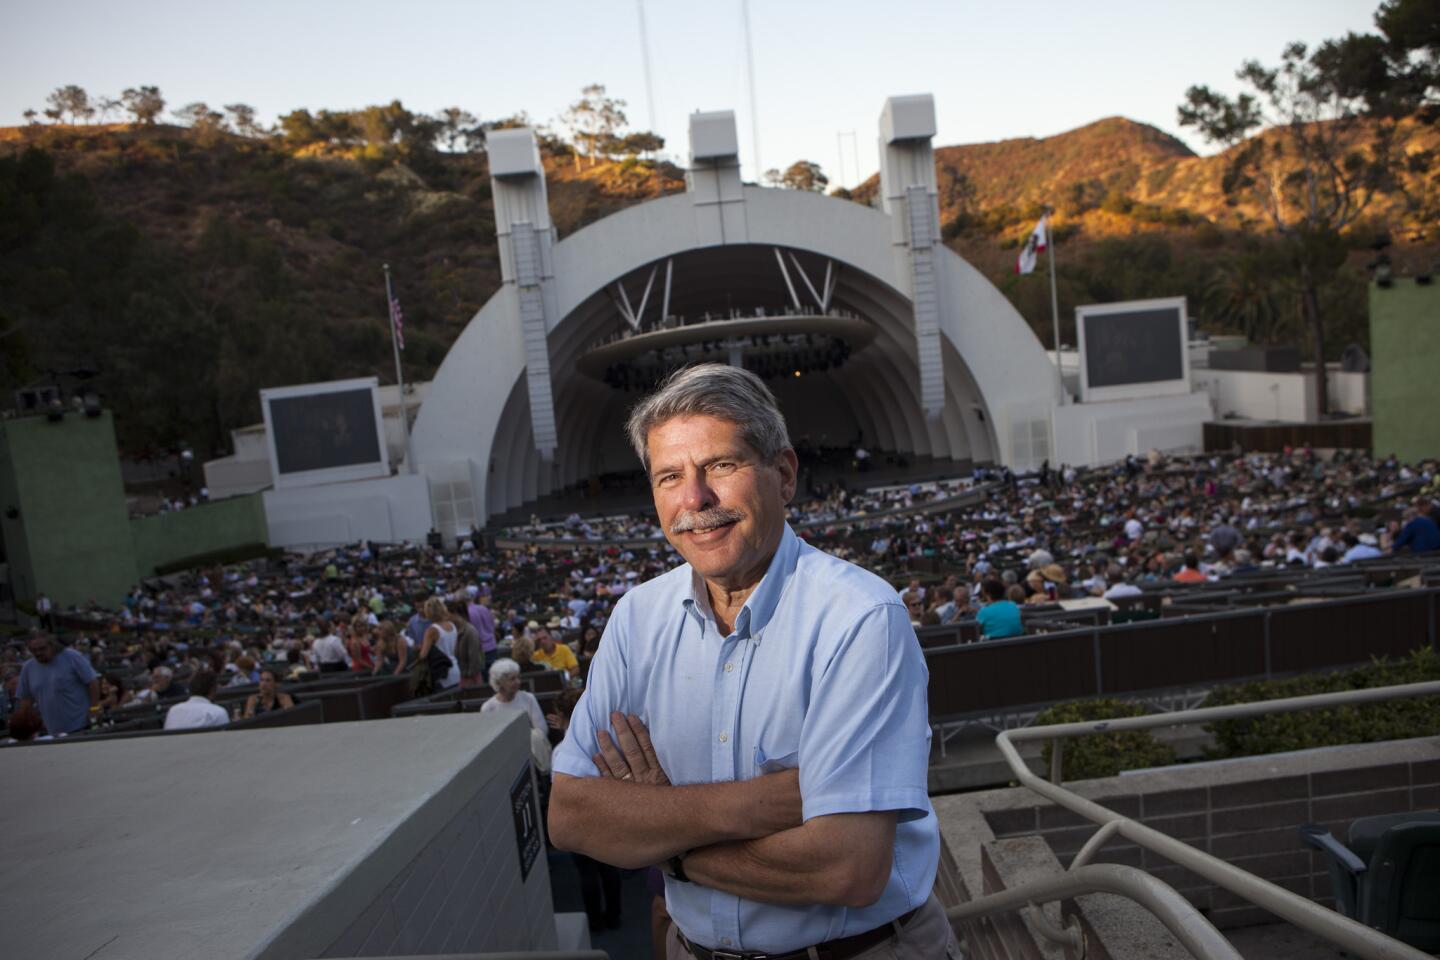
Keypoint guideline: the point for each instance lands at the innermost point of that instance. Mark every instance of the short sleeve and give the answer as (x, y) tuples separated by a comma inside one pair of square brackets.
[(83, 670), (22, 689), (865, 746), (604, 693)]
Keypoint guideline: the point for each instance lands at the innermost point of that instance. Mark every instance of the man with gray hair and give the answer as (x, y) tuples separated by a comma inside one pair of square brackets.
[(768, 738)]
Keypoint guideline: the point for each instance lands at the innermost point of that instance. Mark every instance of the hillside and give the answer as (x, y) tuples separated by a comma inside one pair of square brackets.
[(1128, 164), (178, 271)]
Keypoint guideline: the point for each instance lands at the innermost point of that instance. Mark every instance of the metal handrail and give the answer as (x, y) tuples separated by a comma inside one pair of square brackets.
[(1334, 927), (1177, 914)]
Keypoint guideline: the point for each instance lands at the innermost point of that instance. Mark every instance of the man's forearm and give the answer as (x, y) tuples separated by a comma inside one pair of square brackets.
[(633, 825), (837, 860)]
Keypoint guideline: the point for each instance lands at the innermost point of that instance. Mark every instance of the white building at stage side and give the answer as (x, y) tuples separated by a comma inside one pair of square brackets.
[(899, 343)]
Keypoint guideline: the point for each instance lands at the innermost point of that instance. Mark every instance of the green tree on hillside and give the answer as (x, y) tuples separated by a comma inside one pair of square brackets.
[(107, 106), (199, 116), (242, 115), (455, 126), (800, 175), (594, 119), (72, 101), (805, 175), (1332, 112), (144, 104)]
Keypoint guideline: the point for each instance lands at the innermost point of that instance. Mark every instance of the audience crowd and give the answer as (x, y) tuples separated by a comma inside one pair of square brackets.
[(973, 549)]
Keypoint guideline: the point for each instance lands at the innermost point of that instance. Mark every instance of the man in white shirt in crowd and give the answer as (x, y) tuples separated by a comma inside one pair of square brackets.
[(329, 652), (198, 711)]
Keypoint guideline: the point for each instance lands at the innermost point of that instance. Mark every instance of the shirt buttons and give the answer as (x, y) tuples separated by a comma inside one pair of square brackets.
[(729, 667), (724, 738)]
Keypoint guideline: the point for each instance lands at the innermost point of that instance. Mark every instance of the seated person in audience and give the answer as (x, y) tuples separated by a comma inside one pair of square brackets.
[(358, 644), (197, 711), (329, 652), (589, 642), (955, 608), (391, 651), (1420, 534), (294, 664), (522, 651), (1122, 588), (163, 686), (999, 617), (241, 673), (555, 656), (505, 681), (269, 697), (1190, 572), (113, 694)]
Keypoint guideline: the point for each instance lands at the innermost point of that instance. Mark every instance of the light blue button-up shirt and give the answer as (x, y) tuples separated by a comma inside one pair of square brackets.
[(823, 672)]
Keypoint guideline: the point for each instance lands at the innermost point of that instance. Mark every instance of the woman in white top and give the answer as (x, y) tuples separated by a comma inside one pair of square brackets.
[(505, 679), (442, 634)]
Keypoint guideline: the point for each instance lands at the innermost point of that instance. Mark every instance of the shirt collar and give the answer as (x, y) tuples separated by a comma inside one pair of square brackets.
[(760, 606)]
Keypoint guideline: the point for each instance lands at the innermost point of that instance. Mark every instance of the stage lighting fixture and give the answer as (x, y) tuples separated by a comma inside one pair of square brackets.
[(92, 405), (55, 412)]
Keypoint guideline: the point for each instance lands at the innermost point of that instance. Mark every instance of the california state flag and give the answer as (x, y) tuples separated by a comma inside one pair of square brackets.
[(1034, 246)]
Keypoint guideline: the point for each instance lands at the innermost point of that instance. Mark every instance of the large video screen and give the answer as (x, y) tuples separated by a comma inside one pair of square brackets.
[(322, 431), (1140, 346)]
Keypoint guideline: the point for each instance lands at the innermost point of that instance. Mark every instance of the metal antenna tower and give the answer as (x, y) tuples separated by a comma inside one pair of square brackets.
[(840, 136), (645, 60), (750, 74)]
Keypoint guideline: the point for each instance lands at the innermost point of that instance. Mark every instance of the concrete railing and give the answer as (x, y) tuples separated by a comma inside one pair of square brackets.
[(1303, 913)]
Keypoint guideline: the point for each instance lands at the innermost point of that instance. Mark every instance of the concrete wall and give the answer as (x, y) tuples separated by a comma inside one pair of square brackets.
[(341, 839), (1089, 433), (387, 510), (62, 510), (1290, 397), (1404, 345), (463, 891), (210, 527), (1348, 392), (1257, 395)]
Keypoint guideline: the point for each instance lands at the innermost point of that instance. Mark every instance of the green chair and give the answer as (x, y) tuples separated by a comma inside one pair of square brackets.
[(1388, 877)]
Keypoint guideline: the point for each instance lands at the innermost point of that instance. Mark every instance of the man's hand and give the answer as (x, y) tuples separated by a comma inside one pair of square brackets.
[(629, 756), (634, 760), (631, 815)]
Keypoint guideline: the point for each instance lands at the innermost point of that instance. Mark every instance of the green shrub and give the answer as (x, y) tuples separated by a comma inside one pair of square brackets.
[(1103, 754), (1303, 730)]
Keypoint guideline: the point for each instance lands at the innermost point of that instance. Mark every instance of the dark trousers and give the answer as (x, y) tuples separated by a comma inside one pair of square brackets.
[(600, 889)]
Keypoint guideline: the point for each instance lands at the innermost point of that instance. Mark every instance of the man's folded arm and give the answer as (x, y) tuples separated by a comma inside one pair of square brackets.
[(843, 859), (634, 825)]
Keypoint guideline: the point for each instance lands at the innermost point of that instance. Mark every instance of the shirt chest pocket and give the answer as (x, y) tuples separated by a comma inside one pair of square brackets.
[(777, 741)]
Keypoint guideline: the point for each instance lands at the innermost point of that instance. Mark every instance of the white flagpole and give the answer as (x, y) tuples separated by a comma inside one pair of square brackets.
[(399, 375), (1054, 303)]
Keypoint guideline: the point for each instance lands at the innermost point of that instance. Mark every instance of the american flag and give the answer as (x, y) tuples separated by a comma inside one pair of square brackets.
[(397, 321)]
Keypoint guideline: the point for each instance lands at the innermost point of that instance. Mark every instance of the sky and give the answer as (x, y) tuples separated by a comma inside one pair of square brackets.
[(822, 69)]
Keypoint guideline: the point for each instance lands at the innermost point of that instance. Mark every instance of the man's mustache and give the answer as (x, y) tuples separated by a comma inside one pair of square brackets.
[(714, 517)]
